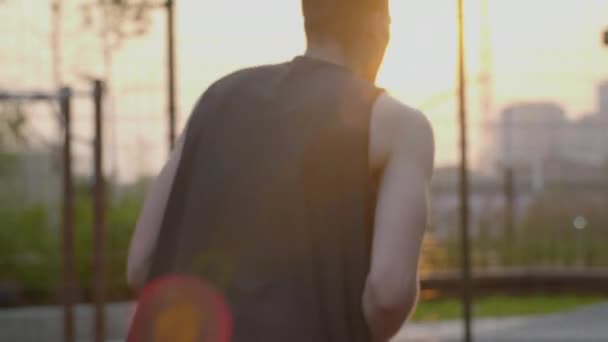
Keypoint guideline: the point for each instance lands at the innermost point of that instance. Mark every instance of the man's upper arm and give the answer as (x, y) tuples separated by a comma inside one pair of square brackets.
[(150, 219), (402, 208)]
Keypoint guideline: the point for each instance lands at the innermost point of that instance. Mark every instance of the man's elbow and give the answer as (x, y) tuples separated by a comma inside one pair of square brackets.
[(135, 277), (394, 299)]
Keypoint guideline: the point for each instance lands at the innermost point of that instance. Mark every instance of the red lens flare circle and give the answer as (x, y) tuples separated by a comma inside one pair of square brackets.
[(181, 309)]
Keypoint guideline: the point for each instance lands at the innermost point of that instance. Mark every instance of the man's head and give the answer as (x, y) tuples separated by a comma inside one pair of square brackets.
[(360, 28)]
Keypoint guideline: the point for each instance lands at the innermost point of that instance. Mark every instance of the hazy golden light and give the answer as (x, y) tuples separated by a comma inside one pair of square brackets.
[(539, 50)]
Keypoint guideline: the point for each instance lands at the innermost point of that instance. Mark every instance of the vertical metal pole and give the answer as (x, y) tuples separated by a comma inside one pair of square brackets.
[(486, 91), (464, 179), (99, 212), (509, 194), (68, 289), (508, 191), (509, 229), (171, 70), (57, 11)]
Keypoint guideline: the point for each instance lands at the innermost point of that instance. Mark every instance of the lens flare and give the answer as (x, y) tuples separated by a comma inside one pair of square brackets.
[(181, 308)]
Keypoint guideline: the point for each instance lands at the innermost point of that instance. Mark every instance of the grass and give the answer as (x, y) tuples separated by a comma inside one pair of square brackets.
[(501, 306)]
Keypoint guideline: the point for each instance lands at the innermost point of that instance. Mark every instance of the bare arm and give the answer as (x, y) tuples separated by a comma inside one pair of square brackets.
[(150, 219), (402, 144)]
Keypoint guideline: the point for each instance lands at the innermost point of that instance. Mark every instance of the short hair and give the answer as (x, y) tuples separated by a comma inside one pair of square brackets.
[(337, 19)]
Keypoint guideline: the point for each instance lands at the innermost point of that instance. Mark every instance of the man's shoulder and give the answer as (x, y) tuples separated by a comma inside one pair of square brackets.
[(399, 115), (240, 76), (402, 129), (233, 83)]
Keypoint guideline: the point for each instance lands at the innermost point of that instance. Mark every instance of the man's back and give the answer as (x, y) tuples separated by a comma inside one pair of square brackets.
[(273, 195), (273, 201)]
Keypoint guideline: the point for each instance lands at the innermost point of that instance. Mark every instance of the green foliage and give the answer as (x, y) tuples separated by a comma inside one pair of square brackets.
[(29, 256), (501, 306), (122, 217), (30, 250), (13, 120), (544, 236), (8, 164), (120, 222)]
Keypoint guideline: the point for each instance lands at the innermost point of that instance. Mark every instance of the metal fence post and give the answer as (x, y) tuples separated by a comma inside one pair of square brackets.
[(170, 5), (99, 212), (464, 180), (68, 288)]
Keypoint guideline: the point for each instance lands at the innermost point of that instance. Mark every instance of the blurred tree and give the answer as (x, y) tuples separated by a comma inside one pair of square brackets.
[(116, 20), (12, 125), (112, 20)]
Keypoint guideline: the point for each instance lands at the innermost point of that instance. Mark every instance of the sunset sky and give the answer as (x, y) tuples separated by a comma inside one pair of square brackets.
[(540, 50)]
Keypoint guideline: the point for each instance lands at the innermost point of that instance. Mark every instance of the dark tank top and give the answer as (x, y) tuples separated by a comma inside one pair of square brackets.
[(273, 201)]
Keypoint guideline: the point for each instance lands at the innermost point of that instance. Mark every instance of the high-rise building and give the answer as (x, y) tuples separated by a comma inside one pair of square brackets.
[(530, 132), (542, 145), (603, 99)]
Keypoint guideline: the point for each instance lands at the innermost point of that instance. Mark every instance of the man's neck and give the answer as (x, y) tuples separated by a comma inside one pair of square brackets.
[(331, 53)]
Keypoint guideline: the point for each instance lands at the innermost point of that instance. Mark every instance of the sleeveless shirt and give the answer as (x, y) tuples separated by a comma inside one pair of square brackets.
[(273, 201)]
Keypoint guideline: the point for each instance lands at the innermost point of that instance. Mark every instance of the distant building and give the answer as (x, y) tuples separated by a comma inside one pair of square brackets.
[(587, 140), (588, 137), (530, 132), (603, 100), (542, 146), (544, 149), (486, 203)]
